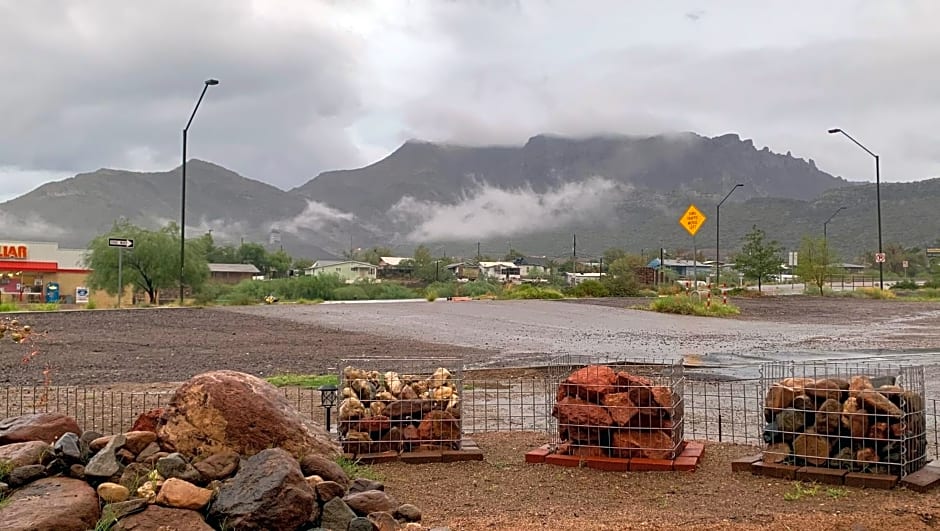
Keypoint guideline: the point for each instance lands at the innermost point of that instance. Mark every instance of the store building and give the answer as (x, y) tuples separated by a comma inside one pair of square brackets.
[(39, 272)]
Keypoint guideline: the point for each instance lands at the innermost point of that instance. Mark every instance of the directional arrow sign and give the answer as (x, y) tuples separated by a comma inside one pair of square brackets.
[(121, 242)]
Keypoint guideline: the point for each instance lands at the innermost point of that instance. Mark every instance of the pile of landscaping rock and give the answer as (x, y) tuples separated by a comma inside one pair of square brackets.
[(185, 468)]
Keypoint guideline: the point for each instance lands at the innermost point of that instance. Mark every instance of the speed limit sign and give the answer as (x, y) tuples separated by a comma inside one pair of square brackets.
[(880, 258)]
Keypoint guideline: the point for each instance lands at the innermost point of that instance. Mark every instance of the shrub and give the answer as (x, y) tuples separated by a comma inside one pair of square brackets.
[(8, 307), (442, 289), (91, 305), (350, 293), (385, 290), (685, 305), (430, 295), (478, 288), (646, 292), (531, 291), (905, 284), (589, 288), (866, 293), (211, 292), (621, 286)]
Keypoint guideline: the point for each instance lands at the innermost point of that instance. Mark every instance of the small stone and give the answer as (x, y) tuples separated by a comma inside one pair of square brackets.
[(121, 509), (327, 490), (408, 513), (218, 466), (152, 460), (317, 465), (134, 475), (370, 501), (183, 495), (112, 492), (138, 440), (105, 463), (360, 523), (147, 452), (99, 443), (126, 456), (414, 526), (384, 521), (84, 443), (336, 515), (22, 475), (4, 489), (77, 471), (175, 466), (68, 447), (163, 518), (46, 427), (363, 484), (24, 453)]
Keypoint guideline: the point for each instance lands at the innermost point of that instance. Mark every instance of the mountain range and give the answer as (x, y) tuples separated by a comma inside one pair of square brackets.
[(610, 191)]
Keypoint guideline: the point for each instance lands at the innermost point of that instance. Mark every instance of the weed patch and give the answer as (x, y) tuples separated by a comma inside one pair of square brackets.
[(307, 381), (687, 305)]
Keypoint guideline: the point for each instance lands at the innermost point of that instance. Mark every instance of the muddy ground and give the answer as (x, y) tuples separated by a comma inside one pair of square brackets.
[(150, 348), (160, 345)]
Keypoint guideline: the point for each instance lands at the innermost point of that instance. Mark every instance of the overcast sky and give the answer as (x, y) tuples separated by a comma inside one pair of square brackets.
[(308, 86)]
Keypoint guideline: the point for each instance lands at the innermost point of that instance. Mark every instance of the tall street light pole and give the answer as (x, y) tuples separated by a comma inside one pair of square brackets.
[(825, 223), (881, 265), (718, 233), (208, 83)]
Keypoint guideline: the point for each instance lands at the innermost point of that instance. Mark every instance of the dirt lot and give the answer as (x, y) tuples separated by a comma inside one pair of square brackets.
[(501, 492)]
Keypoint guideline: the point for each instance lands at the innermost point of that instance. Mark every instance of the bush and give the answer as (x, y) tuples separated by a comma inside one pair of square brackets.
[(622, 286), (309, 287), (211, 292), (866, 293), (531, 291), (479, 288), (442, 289), (685, 305), (905, 284), (430, 295), (588, 288), (8, 307), (350, 293), (385, 290), (646, 292)]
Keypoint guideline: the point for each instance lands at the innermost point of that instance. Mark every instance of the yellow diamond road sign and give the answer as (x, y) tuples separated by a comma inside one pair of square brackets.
[(692, 220)]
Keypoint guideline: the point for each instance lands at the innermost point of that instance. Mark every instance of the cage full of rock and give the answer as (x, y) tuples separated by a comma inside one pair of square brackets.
[(858, 418), (400, 406), (619, 410)]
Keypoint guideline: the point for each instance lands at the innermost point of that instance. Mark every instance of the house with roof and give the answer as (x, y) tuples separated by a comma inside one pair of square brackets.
[(682, 268), (395, 266), (531, 266), (504, 271), (348, 270), (232, 273), (464, 271), (573, 279)]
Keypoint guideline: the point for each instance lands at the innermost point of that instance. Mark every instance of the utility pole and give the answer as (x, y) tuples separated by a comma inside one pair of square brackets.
[(574, 253), (478, 252)]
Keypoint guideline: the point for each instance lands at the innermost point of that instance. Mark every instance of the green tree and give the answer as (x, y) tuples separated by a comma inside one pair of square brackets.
[(816, 262), (302, 263), (255, 254), (279, 262), (613, 254), (152, 265), (512, 255), (621, 277), (428, 269), (759, 257)]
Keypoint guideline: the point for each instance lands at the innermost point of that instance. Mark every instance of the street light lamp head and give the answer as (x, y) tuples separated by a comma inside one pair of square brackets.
[(834, 131), (212, 82)]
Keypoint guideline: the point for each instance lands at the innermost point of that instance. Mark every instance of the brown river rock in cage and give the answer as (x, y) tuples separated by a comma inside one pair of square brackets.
[(790, 421), (855, 418), (781, 396), (408, 393), (866, 455), (804, 403), (440, 378), (439, 426), (408, 408), (625, 379), (827, 388), (572, 411), (654, 444), (776, 453), (589, 383), (878, 402), (621, 408), (858, 384), (812, 448), (373, 424), (878, 431), (351, 408), (377, 408), (829, 417)]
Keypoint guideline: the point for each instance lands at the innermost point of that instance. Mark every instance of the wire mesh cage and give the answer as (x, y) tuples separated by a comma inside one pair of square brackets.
[(400, 405), (617, 407), (858, 416)]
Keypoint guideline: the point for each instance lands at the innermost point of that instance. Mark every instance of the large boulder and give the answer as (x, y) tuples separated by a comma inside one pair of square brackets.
[(233, 411), (163, 519), (46, 427), (51, 504), (24, 453), (268, 492)]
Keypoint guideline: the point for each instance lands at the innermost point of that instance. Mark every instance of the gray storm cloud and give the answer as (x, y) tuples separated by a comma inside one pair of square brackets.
[(314, 217), (31, 227), (488, 211)]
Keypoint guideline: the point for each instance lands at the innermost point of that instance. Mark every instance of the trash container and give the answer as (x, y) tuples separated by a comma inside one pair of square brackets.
[(52, 292)]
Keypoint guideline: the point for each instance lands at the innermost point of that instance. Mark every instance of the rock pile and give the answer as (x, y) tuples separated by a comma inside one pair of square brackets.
[(395, 412), (603, 412), (860, 423), (55, 477)]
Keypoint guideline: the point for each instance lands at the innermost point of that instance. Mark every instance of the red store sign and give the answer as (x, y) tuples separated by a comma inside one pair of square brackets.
[(13, 252)]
